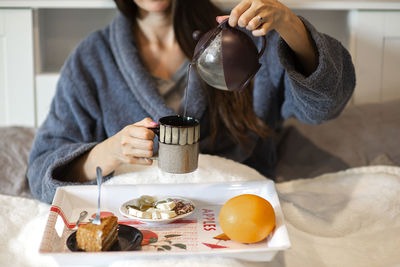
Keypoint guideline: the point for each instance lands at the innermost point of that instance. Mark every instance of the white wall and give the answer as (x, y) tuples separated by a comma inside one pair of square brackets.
[(16, 68)]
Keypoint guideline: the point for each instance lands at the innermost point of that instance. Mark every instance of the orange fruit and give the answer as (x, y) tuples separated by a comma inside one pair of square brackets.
[(247, 218)]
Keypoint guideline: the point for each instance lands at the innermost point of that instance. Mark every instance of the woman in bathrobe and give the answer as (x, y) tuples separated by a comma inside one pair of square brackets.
[(120, 80)]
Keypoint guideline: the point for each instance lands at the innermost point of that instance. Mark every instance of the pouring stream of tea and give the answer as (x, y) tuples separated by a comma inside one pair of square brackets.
[(187, 88)]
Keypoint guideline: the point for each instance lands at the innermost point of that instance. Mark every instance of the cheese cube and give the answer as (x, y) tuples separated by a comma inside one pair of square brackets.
[(150, 210), (132, 211), (167, 214), (166, 206), (146, 215), (143, 214), (139, 214), (156, 214)]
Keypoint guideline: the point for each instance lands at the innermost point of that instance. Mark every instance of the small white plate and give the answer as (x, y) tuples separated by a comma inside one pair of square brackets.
[(124, 210)]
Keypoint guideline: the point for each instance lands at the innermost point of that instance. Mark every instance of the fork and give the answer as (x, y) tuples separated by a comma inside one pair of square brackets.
[(99, 177)]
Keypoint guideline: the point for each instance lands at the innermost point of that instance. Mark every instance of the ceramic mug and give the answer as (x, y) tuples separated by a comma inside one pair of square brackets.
[(178, 144)]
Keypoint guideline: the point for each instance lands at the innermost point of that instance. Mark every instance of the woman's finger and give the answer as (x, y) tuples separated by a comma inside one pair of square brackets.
[(140, 132), (130, 141), (146, 122), (238, 11), (221, 19), (138, 153), (138, 160), (256, 22), (263, 30), (143, 161), (246, 17)]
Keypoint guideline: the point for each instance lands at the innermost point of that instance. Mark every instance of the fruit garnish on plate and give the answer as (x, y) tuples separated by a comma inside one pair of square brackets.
[(247, 218)]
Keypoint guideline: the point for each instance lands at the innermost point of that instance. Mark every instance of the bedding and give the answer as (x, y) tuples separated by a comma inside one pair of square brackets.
[(15, 144), (362, 135)]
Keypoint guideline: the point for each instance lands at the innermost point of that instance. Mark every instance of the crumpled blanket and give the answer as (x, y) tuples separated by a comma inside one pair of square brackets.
[(15, 144), (349, 218)]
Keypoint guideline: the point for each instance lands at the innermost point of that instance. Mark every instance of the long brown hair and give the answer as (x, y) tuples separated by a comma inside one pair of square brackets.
[(229, 111)]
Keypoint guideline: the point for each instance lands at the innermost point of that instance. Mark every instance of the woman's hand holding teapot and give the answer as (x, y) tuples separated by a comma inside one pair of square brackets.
[(262, 16)]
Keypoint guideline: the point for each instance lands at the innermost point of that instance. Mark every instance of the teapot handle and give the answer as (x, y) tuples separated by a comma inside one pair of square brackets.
[(264, 42)]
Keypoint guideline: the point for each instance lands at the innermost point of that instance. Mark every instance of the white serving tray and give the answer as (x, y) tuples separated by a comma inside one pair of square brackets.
[(193, 235)]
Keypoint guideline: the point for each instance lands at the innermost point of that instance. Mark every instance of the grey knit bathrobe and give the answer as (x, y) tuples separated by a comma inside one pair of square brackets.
[(105, 86)]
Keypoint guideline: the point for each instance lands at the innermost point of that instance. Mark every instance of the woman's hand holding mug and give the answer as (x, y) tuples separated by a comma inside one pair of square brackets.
[(178, 145), (134, 143)]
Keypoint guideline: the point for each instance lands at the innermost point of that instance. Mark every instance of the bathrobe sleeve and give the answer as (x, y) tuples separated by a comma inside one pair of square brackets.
[(72, 127), (322, 95)]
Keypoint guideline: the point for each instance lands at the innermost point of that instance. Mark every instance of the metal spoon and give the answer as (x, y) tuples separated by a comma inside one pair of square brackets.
[(82, 216), (99, 177)]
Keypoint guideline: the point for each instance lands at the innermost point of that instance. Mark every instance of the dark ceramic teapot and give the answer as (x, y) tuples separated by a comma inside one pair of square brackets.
[(226, 58)]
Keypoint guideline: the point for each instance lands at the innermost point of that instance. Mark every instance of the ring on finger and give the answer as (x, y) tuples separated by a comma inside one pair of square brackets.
[(261, 20)]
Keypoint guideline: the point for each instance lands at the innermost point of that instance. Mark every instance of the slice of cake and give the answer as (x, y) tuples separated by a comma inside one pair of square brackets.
[(93, 237)]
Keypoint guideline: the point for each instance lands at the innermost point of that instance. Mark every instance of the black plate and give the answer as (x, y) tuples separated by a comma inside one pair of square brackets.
[(129, 239)]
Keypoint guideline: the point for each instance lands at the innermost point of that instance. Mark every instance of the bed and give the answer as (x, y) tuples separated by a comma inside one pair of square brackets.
[(338, 185)]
